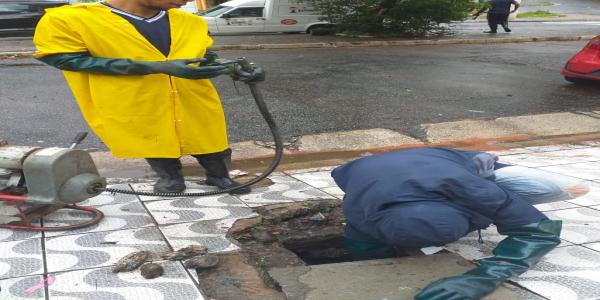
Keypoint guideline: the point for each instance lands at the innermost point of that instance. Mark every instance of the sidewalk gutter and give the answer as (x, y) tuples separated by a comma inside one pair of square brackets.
[(430, 42)]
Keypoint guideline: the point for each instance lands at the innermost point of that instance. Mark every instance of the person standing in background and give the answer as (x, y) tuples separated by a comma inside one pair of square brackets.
[(498, 12)]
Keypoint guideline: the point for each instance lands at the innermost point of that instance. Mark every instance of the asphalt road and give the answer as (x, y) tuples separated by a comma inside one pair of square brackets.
[(325, 90)]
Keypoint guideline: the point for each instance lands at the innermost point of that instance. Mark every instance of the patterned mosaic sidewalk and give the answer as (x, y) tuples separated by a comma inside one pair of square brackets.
[(76, 264)]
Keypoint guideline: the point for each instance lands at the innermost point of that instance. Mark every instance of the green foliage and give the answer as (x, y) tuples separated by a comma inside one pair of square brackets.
[(539, 14), (406, 18)]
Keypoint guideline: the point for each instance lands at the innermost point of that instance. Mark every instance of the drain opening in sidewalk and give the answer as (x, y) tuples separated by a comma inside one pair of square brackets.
[(282, 236), (311, 231)]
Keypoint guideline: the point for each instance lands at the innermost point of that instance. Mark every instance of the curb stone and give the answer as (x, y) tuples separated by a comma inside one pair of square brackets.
[(565, 127), (561, 38)]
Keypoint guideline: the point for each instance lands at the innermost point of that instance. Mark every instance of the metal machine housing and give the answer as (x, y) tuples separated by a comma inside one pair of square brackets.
[(50, 175)]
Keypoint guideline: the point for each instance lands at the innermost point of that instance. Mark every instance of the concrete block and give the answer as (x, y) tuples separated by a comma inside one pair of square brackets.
[(354, 140), (554, 124), (468, 129), (391, 279), (532, 125), (248, 150)]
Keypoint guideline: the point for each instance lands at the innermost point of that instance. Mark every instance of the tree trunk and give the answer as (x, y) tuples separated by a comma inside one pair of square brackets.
[(385, 6)]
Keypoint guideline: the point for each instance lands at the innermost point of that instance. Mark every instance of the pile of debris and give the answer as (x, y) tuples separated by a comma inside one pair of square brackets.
[(311, 231), (194, 257)]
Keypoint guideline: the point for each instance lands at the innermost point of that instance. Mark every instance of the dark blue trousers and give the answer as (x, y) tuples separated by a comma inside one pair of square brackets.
[(419, 224)]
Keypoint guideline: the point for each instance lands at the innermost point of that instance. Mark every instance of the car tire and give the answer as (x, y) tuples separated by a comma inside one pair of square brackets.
[(571, 79), (577, 80), (321, 30)]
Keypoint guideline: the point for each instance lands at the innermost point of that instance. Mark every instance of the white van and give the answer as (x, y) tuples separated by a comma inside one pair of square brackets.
[(245, 16), (190, 7)]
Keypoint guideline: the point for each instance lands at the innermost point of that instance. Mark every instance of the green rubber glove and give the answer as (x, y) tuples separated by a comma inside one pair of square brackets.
[(234, 69), (256, 75), (237, 72), (524, 247), (84, 62), (211, 58), (183, 68)]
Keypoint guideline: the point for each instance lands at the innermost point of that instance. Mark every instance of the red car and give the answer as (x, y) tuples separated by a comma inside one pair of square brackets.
[(585, 65)]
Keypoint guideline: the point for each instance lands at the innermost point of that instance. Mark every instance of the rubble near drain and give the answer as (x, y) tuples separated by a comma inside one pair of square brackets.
[(282, 236), (310, 230)]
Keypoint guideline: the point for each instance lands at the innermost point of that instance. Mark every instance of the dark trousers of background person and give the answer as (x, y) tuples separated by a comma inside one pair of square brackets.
[(498, 19)]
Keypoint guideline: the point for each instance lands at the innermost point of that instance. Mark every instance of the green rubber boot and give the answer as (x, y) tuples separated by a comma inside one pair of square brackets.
[(364, 250), (524, 247)]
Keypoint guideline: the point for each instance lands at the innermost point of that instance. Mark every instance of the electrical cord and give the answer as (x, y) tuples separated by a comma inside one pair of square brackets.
[(96, 216)]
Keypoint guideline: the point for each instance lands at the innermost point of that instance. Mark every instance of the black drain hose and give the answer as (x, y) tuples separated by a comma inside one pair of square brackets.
[(264, 111)]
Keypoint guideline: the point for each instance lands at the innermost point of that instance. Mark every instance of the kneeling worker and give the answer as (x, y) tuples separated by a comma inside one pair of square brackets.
[(433, 196)]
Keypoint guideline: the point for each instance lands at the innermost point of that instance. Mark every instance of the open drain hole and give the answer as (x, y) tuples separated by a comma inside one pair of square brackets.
[(287, 236), (294, 234), (327, 251)]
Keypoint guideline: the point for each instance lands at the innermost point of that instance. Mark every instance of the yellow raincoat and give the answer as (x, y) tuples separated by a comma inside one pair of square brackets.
[(154, 116)]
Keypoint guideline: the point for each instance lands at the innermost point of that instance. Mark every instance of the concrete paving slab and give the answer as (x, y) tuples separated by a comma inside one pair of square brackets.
[(554, 124), (354, 140), (531, 125), (245, 150), (398, 278), (464, 129)]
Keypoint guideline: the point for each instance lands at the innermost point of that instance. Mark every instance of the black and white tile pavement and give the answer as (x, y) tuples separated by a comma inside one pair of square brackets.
[(76, 264)]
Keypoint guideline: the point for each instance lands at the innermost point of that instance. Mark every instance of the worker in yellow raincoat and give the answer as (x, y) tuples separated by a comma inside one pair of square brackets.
[(139, 71)]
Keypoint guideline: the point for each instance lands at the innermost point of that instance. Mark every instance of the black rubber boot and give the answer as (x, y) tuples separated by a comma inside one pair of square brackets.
[(169, 172), (217, 173)]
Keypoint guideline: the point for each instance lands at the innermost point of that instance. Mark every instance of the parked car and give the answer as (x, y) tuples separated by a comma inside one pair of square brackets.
[(19, 18), (254, 16), (585, 65)]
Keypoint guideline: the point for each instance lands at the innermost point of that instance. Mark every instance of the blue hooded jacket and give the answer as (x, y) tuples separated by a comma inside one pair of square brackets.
[(464, 178)]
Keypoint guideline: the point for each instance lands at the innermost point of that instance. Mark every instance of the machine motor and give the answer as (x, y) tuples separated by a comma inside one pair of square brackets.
[(47, 175)]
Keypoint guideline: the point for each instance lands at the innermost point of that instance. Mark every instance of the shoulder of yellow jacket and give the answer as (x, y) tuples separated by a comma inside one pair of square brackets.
[(192, 20), (182, 14), (76, 8)]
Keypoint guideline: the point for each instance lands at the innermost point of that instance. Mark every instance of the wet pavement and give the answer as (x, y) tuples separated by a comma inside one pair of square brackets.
[(76, 264)]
